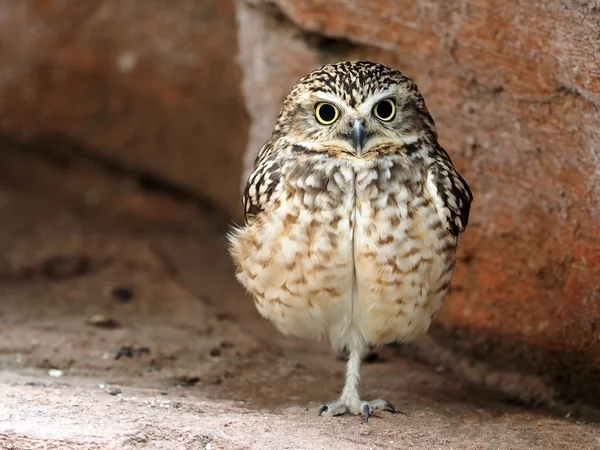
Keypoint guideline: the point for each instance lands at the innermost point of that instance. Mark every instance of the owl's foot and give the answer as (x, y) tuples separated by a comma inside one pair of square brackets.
[(356, 407)]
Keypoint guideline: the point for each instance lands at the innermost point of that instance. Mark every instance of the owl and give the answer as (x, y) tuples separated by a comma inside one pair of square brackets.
[(353, 213)]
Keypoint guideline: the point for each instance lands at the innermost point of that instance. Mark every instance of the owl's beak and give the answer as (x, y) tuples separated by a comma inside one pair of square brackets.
[(358, 136)]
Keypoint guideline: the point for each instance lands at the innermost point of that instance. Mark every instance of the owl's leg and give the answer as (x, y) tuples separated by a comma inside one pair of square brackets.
[(349, 401)]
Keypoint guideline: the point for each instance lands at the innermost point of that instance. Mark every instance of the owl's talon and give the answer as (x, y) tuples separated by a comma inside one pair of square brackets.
[(367, 412), (356, 407), (334, 409), (383, 405), (322, 409)]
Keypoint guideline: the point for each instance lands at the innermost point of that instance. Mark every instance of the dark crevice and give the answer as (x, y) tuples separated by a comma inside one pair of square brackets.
[(272, 10), (63, 151), (330, 47), (540, 377), (334, 47)]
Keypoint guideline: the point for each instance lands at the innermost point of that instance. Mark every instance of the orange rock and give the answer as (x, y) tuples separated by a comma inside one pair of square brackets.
[(151, 85)]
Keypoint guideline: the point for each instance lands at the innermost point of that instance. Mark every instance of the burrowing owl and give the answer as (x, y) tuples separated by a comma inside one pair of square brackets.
[(353, 216)]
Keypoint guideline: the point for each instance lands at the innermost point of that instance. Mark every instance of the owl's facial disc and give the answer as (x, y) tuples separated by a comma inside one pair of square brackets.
[(357, 125), (348, 127), (354, 123)]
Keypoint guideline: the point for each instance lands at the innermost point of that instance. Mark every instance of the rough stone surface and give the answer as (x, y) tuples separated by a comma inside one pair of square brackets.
[(515, 91), (189, 365), (151, 85), (73, 414)]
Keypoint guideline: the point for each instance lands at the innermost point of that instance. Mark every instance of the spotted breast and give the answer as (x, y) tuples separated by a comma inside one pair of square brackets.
[(353, 252)]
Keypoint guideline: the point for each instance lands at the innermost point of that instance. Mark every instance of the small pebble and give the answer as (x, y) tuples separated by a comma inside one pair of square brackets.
[(125, 351), (126, 62), (222, 315), (186, 381), (130, 351), (55, 373), (114, 391), (122, 294), (102, 321), (215, 352)]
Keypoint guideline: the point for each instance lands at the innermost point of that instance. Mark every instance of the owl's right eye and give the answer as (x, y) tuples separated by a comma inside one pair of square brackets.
[(326, 113)]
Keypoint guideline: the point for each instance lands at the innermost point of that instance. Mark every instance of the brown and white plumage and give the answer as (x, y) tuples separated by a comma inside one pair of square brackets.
[(351, 225)]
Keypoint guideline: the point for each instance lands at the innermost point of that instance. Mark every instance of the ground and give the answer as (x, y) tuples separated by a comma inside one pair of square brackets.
[(123, 327)]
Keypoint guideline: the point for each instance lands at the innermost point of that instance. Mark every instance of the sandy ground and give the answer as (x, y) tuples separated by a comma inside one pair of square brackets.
[(122, 327)]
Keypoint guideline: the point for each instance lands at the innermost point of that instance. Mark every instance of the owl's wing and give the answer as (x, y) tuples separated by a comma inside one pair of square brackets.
[(451, 192), (262, 183)]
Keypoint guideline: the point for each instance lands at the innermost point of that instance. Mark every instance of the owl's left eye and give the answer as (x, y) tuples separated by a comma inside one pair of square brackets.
[(385, 110), (326, 113)]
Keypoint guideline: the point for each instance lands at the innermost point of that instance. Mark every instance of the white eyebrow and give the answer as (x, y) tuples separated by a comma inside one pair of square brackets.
[(332, 98), (367, 106), (364, 108), (321, 96)]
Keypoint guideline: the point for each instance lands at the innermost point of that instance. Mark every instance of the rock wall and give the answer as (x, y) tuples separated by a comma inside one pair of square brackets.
[(514, 88), (152, 86)]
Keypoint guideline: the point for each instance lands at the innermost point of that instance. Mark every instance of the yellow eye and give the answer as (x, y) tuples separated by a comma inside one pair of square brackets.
[(385, 110), (326, 113)]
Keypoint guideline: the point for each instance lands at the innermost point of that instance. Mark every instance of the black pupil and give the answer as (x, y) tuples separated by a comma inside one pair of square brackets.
[(385, 110), (327, 113)]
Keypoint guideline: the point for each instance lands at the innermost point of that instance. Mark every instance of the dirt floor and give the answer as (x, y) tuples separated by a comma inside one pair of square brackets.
[(122, 327)]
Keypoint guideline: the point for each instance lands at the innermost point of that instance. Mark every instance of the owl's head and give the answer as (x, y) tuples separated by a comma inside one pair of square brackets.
[(356, 107)]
